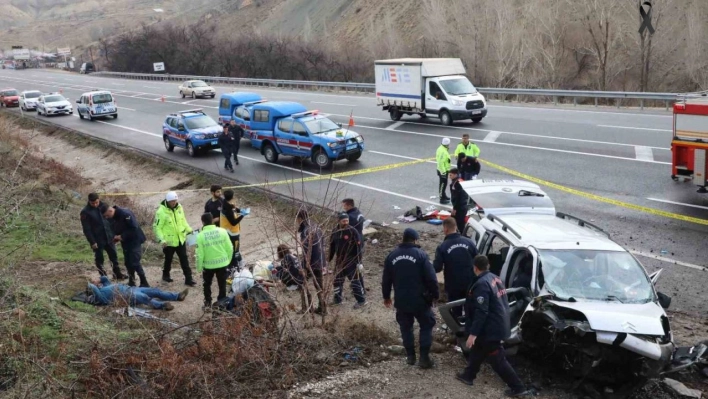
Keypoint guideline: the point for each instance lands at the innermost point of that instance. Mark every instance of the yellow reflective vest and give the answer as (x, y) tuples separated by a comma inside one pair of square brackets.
[(214, 248), (443, 159), (170, 225)]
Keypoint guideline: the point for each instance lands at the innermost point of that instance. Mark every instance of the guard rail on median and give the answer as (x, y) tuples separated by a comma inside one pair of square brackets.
[(500, 93)]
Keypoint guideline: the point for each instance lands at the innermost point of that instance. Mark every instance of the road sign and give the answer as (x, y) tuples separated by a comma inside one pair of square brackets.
[(159, 66), (16, 47), (21, 54), (64, 51)]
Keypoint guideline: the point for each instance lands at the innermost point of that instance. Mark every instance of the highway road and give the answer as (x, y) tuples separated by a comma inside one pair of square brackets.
[(619, 154)]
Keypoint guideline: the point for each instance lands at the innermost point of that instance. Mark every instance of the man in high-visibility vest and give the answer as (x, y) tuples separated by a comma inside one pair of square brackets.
[(171, 229), (471, 150), (442, 157), (214, 254)]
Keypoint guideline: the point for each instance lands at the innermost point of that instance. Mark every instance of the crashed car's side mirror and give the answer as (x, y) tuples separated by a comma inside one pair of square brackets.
[(664, 300)]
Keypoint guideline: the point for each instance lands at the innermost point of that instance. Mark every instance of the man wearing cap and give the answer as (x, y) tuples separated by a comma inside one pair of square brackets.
[(171, 229), (128, 233), (467, 153), (408, 271), (459, 199), (346, 244), (442, 157)]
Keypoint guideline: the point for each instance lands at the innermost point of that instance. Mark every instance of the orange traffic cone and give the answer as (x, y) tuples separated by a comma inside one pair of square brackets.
[(351, 121)]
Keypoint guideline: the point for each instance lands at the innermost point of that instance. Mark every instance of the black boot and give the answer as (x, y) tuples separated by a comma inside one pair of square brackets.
[(117, 274), (166, 277), (410, 352), (425, 361), (101, 270), (131, 280), (143, 281)]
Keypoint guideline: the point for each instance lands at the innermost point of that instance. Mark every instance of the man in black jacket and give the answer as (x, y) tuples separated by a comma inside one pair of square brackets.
[(226, 143), (455, 256), (346, 244), (356, 219), (314, 262), (408, 270), (128, 232), (215, 203), (487, 325), (459, 199), (236, 133), (98, 232)]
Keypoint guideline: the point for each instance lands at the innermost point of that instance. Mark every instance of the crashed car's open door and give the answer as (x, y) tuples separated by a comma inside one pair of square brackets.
[(502, 197)]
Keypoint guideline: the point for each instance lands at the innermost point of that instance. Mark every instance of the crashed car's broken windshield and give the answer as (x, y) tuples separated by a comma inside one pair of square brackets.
[(595, 275)]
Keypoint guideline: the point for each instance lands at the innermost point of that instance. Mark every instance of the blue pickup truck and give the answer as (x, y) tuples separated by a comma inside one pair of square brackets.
[(229, 102), (288, 128)]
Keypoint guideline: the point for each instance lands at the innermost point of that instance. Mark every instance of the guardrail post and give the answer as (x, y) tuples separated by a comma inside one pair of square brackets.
[(617, 101), (666, 104), (575, 101), (555, 100), (641, 104), (595, 102)]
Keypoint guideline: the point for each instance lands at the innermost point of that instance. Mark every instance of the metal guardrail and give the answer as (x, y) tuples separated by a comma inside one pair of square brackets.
[(502, 93)]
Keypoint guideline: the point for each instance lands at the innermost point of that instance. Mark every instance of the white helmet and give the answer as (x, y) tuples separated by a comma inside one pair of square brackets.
[(171, 196), (445, 141)]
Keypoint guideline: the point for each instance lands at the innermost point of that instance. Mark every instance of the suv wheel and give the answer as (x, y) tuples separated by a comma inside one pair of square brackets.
[(476, 120), (194, 95), (168, 145), (191, 150), (181, 93), (445, 118), (270, 154), (354, 157), (322, 160)]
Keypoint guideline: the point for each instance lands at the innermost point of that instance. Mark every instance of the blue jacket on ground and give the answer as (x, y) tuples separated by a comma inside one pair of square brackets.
[(107, 292), (487, 309), (125, 224), (455, 255), (409, 272)]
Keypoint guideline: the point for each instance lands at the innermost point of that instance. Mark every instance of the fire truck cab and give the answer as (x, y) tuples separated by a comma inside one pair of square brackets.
[(689, 147)]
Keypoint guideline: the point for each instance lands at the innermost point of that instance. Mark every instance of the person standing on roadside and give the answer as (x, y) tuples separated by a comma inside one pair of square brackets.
[(487, 325), (171, 229), (442, 157), (231, 221), (214, 204), (312, 241), (460, 200), (454, 256), (471, 151), (127, 231), (236, 133), (226, 143), (356, 219), (408, 271), (214, 254), (98, 232), (346, 245)]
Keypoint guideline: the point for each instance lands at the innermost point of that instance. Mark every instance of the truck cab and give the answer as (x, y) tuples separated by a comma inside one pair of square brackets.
[(229, 102), (288, 128), (690, 134)]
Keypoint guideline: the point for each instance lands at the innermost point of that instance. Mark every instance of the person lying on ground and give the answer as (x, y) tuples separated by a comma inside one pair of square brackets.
[(107, 293)]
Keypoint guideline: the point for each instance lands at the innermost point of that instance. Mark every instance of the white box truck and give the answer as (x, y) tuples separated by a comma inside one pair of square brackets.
[(428, 87)]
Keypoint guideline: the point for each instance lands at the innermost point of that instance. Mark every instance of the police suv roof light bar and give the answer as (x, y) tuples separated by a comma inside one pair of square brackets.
[(195, 111), (306, 113)]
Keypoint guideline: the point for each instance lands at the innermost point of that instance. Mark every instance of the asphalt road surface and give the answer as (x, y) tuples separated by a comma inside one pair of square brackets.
[(619, 154)]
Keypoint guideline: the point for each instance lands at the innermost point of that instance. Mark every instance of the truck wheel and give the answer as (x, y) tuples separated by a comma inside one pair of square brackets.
[(354, 157), (168, 145), (322, 160), (395, 114), (445, 118), (270, 154), (191, 150), (422, 115), (476, 120)]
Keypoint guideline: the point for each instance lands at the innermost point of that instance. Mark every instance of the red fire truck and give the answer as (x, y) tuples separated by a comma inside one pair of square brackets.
[(689, 146)]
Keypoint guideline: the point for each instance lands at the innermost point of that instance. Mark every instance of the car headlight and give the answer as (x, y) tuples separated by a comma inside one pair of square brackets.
[(359, 139), (199, 136), (458, 103)]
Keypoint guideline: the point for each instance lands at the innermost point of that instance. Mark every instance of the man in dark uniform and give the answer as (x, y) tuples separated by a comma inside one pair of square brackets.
[(487, 309), (459, 199), (346, 244), (356, 219), (226, 143), (98, 232), (455, 256), (214, 204), (128, 232), (408, 270), (468, 166), (236, 132), (314, 262)]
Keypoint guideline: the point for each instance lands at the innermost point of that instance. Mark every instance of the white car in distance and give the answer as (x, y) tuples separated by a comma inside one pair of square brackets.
[(196, 88), (54, 104), (28, 100)]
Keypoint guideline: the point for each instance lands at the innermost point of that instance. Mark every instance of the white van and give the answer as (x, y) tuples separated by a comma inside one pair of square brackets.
[(97, 104)]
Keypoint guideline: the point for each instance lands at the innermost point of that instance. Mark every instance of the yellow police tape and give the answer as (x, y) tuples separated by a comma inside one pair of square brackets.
[(290, 181), (569, 190)]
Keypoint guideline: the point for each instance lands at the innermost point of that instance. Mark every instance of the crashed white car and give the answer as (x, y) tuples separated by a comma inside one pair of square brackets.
[(575, 295)]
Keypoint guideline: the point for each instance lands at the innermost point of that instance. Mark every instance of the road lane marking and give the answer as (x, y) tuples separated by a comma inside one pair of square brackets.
[(343, 105), (117, 84), (395, 125), (678, 203), (635, 128), (188, 102), (151, 87), (644, 153), (124, 108), (669, 260), (492, 136)]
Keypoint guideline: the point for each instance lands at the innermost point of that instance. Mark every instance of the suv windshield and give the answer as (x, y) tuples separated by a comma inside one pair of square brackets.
[(10, 93), (32, 94), (595, 275), (102, 98), (199, 122), (458, 87), (199, 84), (321, 125), (53, 99)]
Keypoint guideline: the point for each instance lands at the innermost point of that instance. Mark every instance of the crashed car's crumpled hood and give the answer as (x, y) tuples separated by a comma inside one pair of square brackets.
[(643, 319)]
